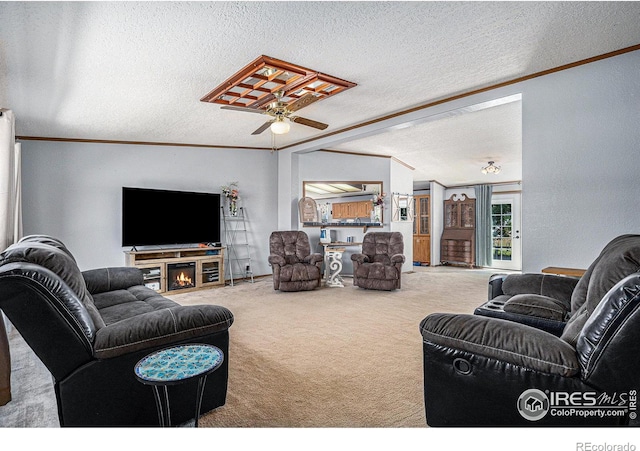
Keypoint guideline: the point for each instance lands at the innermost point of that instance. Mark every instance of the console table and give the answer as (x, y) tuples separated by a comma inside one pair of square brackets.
[(365, 225), (333, 262), (573, 272)]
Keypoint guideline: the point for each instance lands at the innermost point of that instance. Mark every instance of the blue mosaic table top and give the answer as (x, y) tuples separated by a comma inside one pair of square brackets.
[(179, 363)]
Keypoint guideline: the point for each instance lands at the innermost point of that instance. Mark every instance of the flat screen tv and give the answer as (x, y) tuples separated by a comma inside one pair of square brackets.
[(166, 218)]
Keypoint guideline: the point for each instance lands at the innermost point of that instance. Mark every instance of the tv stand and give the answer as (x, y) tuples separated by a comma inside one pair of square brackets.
[(204, 267)]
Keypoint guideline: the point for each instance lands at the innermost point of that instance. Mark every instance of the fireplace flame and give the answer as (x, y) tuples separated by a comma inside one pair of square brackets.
[(183, 281)]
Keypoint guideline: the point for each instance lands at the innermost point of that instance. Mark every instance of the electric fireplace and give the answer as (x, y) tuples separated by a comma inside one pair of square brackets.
[(181, 275)]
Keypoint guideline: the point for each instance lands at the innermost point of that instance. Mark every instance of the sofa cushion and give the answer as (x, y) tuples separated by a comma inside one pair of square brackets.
[(377, 271), (118, 305), (299, 272), (59, 262), (382, 243), (549, 285), (301, 285), (536, 305), (293, 245), (45, 239)]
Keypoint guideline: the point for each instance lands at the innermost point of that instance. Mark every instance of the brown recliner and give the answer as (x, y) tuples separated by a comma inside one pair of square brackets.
[(379, 266), (294, 267)]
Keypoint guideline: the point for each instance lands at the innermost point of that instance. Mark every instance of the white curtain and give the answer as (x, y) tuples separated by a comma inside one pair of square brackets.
[(10, 183), (10, 226)]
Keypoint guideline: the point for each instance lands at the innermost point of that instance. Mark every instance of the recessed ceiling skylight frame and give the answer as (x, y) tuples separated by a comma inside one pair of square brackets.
[(255, 84)]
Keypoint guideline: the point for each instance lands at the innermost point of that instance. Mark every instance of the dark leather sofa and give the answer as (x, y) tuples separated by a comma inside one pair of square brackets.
[(497, 370), (90, 328)]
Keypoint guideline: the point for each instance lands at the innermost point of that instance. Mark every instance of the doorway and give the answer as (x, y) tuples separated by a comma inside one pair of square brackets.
[(506, 247)]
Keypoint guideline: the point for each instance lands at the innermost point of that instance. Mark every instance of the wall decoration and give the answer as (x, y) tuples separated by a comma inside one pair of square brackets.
[(402, 207), (308, 210)]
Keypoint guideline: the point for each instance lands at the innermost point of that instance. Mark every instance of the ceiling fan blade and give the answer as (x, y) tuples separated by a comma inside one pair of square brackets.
[(241, 108), (302, 102), (265, 100), (262, 128), (308, 122)]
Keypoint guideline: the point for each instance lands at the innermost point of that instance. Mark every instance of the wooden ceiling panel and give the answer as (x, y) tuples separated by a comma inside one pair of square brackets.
[(254, 85)]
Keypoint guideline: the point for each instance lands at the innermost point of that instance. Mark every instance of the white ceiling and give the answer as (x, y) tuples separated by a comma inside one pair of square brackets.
[(135, 71)]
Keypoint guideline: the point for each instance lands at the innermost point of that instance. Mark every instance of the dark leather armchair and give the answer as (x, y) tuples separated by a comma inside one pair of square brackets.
[(548, 301), (481, 370), (294, 267), (90, 328), (379, 266)]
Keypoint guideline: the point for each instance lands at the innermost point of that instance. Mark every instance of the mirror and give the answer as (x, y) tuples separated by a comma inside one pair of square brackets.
[(346, 201), (330, 190)]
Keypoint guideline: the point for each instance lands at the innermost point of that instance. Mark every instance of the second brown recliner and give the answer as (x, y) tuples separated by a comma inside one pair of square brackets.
[(379, 266)]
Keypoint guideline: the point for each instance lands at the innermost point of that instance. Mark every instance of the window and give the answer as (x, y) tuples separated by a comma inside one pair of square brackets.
[(502, 225)]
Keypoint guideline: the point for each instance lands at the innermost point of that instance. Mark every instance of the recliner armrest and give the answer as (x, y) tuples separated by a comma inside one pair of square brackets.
[(313, 259), (359, 258), (397, 258), (108, 279), (502, 340), (160, 327), (495, 285), (277, 260)]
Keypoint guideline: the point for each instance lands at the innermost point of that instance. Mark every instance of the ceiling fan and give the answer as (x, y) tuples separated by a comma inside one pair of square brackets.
[(279, 111)]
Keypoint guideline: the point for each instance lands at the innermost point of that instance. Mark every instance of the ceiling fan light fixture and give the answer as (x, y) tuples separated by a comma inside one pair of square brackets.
[(491, 168), (279, 127)]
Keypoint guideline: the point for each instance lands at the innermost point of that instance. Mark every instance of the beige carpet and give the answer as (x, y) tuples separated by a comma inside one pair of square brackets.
[(333, 357)]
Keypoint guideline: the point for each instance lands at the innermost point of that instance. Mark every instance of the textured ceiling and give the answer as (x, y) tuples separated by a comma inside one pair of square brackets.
[(135, 71), (453, 150)]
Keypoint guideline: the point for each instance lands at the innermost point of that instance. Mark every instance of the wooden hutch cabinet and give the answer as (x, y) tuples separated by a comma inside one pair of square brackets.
[(458, 244), (422, 229)]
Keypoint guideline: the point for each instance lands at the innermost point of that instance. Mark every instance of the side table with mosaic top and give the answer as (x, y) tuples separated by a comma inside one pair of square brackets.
[(176, 365)]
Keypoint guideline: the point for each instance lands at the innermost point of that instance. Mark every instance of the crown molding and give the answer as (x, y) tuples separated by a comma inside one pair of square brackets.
[(582, 62), (471, 93), (136, 143)]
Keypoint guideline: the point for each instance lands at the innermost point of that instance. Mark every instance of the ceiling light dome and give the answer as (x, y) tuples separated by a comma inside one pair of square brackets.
[(491, 169), (280, 127)]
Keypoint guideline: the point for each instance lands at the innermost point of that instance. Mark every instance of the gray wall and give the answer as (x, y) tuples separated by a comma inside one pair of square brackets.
[(581, 161), (73, 191), (401, 179), (580, 173)]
